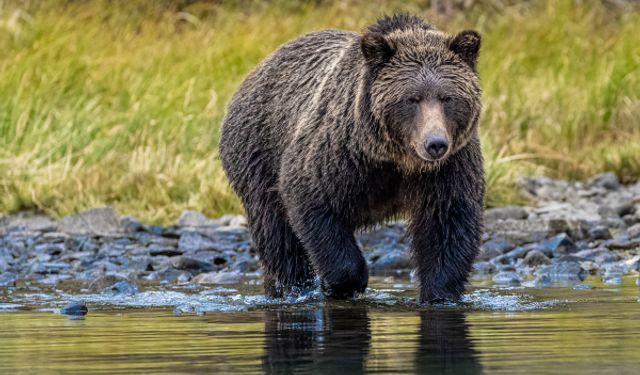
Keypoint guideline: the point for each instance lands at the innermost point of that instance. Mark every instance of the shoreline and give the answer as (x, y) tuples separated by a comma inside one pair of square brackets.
[(568, 231)]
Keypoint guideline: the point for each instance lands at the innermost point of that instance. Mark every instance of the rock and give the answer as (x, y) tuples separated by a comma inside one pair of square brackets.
[(191, 265), (168, 275), (564, 272), (559, 245), (191, 241), (507, 278), (583, 287), (599, 232), (218, 278), (634, 231), (96, 221), (497, 245), (132, 225), (395, 260), (195, 219), (484, 268), (75, 309), (607, 181), (238, 221), (542, 281), (504, 213), (599, 255), (517, 253), (626, 208), (8, 279), (49, 267), (633, 263), (103, 282), (28, 222), (520, 232), (489, 254), (623, 243), (122, 287), (245, 264), (158, 250), (535, 258)]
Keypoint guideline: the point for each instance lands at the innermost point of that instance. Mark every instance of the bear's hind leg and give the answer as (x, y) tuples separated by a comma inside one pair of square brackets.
[(284, 261)]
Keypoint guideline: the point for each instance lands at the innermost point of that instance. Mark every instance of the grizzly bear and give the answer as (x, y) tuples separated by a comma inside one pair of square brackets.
[(338, 131)]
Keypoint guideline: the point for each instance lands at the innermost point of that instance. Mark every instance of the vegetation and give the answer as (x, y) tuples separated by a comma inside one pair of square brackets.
[(119, 103)]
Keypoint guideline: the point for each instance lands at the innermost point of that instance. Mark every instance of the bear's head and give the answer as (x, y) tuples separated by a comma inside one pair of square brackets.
[(424, 89)]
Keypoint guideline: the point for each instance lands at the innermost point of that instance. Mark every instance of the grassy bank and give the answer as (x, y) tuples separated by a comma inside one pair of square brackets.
[(121, 105)]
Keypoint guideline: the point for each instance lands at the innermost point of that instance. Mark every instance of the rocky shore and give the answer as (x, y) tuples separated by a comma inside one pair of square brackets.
[(568, 231)]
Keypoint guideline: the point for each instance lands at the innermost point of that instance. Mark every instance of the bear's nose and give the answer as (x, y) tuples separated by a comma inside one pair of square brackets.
[(436, 146)]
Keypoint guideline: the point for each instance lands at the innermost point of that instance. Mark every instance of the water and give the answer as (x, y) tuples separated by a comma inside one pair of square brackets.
[(236, 330)]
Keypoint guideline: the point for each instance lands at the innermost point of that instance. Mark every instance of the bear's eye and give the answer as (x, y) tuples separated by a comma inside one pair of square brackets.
[(414, 99), (446, 99)]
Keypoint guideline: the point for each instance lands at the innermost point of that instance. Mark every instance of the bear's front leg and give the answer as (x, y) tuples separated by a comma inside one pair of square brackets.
[(446, 227), (332, 249)]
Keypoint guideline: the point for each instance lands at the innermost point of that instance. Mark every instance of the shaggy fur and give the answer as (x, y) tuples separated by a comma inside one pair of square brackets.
[(328, 135)]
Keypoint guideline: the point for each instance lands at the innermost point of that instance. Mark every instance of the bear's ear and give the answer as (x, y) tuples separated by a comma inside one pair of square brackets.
[(376, 49), (467, 45)]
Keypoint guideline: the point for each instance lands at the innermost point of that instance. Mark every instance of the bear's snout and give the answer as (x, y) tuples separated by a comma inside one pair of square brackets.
[(436, 146)]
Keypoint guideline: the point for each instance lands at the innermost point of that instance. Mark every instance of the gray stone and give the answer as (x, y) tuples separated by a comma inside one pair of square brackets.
[(103, 282), (194, 266), (583, 287), (497, 245), (195, 219), (75, 309), (599, 255), (599, 232), (191, 241), (120, 288), (489, 254), (168, 275), (394, 260), (504, 213), (607, 181), (559, 245), (28, 222), (507, 278), (521, 232), (625, 208), (484, 268), (634, 231), (245, 264), (564, 272), (218, 278), (132, 225), (535, 258), (8, 279), (96, 221), (623, 243)]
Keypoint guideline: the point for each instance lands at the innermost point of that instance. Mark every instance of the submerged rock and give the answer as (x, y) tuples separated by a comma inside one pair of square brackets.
[(75, 309), (571, 272)]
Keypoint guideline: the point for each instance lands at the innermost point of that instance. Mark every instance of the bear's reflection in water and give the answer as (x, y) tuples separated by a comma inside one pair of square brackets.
[(444, 346), (337, 340)]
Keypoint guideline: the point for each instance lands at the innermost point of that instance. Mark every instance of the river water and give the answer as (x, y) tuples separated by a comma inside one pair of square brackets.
[(237, 330)]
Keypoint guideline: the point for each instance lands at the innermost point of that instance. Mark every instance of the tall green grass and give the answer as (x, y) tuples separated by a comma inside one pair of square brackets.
[(120, 103)]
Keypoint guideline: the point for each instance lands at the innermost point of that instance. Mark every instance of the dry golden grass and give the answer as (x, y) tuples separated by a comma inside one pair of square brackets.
[(120, 103)]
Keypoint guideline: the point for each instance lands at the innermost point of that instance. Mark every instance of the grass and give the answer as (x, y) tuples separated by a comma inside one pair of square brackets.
[(119, 103)]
